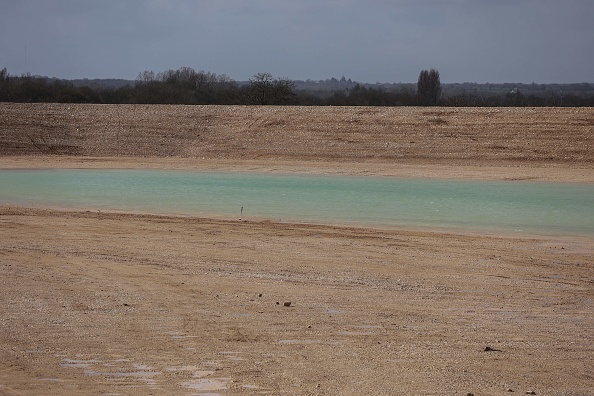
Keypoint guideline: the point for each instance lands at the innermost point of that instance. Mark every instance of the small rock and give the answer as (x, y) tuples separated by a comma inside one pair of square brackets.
[(277, 303), (531, 392), (510, 390), (470, 394), (490, 349), (287, 303), (260, 295), (309, 326)]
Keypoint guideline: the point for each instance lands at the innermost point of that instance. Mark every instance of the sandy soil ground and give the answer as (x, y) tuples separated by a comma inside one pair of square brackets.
[(103, 303)]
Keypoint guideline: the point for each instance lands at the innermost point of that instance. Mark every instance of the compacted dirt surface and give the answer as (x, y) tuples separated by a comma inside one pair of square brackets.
[(127, 304)]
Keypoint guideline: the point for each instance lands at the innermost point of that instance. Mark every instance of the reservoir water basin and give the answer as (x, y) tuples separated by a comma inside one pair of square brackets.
[(498, 206)]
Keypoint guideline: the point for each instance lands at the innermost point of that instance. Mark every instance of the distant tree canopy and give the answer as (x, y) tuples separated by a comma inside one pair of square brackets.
[(428, 87), (184, 86), (264, 89), (191, 87)]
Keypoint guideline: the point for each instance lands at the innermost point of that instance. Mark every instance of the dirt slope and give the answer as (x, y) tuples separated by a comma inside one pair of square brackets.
[(491, 136)]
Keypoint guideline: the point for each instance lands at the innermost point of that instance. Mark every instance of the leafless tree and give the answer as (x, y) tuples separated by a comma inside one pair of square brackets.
[(264, 89), (428, 87)]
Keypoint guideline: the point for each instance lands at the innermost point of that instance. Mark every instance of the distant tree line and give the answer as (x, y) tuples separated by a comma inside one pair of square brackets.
[(188, 86), (182, 86)]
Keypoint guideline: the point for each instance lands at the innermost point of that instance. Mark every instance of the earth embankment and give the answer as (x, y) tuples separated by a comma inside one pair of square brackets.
[(463, 136)]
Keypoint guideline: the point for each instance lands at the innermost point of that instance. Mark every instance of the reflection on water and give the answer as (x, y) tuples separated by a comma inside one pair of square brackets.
[(552, 208)]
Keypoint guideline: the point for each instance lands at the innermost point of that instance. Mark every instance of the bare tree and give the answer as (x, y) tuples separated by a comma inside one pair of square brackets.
[(428, 87), (264, 89), (145, 77), (260, 88)]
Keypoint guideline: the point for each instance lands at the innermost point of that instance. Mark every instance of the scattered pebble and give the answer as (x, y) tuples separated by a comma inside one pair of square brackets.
[(287, 303), (531, 392)]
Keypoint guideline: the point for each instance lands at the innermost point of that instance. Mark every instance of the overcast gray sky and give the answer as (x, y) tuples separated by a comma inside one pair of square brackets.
[(367, 40)]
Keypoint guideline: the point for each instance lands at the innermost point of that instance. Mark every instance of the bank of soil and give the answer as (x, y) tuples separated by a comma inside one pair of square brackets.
[(103, 303), (349, 134)]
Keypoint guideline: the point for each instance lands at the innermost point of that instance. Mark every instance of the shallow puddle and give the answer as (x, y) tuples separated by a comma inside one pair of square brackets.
[(137, 372), (355, 333), (207, 384), (133, 374), (306, 342), (182, 368), (333, 311), (78, 363), (202, 373), (50, 379)]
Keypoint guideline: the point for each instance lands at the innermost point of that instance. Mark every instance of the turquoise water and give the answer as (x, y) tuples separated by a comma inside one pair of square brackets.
[(531, 207)]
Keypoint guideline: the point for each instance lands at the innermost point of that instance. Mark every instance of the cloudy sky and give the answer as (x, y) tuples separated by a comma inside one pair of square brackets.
[(367, 40)]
